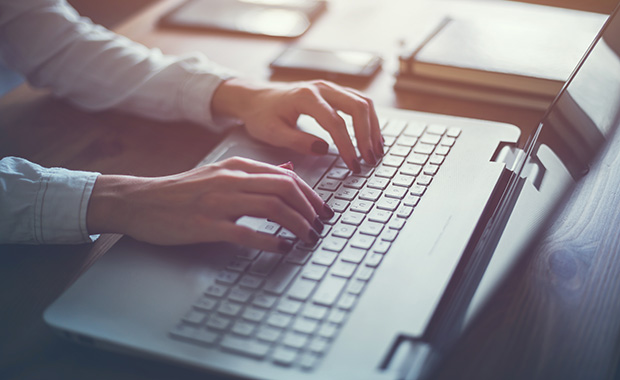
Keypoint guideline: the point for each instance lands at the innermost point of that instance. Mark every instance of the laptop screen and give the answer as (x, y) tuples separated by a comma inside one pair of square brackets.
[(587, 111)]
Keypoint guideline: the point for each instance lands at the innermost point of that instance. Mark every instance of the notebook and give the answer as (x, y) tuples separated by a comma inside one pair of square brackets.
[(390, 284)]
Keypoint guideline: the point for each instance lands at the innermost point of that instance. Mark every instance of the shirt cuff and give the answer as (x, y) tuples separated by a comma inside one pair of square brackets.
[(61, 205), (201, 82)]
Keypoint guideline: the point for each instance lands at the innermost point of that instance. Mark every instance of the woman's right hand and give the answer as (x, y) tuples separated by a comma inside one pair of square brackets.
[(203, 204)]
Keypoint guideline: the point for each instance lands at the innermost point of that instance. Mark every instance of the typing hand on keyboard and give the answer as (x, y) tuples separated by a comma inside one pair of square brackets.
[(270, 112)]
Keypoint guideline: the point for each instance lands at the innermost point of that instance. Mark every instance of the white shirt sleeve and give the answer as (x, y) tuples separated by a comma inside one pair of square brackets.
[(97, 69), (43, 206)]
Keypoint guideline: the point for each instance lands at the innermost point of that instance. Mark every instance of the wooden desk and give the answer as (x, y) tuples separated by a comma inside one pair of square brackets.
[(556, 317)]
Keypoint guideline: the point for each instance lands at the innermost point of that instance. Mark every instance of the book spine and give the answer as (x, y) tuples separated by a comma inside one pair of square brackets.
[(407, 57)]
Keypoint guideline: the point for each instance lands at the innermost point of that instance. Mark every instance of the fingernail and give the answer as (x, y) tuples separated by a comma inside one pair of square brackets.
[(318, 225), (356, 166), (285, 246), (329, 213), (373, 161), (319, 147), (313, 236), (379, 149)]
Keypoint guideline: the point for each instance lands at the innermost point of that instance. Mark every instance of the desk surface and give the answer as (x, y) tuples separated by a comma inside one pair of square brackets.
[(557, 316)]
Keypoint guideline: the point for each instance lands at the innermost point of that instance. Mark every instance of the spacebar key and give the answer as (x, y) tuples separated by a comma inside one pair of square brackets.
[(245, 346), (329, 290)]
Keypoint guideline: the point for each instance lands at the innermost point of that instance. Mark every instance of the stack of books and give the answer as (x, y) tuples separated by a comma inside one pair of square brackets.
[(499, 61)]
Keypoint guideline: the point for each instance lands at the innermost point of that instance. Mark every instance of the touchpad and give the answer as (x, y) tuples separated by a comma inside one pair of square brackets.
[(309, 168)]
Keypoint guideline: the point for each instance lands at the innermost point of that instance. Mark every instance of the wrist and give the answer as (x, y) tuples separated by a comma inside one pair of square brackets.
[(233, 97), (108, 207)]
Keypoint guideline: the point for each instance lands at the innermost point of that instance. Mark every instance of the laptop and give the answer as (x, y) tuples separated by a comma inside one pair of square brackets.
[(416, 244)]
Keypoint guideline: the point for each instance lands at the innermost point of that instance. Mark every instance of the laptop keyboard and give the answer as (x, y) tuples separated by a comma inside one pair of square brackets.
[(288, 308)]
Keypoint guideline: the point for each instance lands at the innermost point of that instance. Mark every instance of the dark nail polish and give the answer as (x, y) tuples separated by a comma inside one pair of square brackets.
[(318, 225), (373, 161), (319, 147), (285, 246), (313, 236), (356, 167), (329, 213)]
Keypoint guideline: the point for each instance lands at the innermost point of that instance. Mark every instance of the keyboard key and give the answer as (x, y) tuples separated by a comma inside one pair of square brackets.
[(338, 205), (424, 180), (239, 294), (298, 256), (345, 194), (364, 273), (337, 173), (315, 311), (396, 190), (284, 356), (238, 265), (411, 200), (394, 161), (403, 180), (393, 128), (269, 228), (429, 138), (344, 230), (417, 190), (245, 346), (379, 216), (333, 219), (361, 206), (265, 263), (278, 319), (362, 241), (370, 194), (251, 281), (371, 228), (436, 159), (336, 316), (268, 334), (366, 171), (184, 331), (354, 182), (325, 195), (378, 183), (280, 278), (206, 337), (216, 290), (264, 300), (355, 286), (353, 255), (431, 169), (385, 171), (389, 235), (318, 345), (323, 257), (343, 269), (400, 150), (411, 169), (328, 330), (305, 325), (388, 140), (227, 277), (301, 289), (206, 303), (195, 317), (333, 243), (254, 314), (308, 246), (373, 260), (414, 129), (347, 301), (308, 361), (424, 148), (418, 159), (407, 141), (453, 132), (436, 129), (230, 309), (295, 340), (448, 141), (329, 184), (248, 253), (286, 234), (404, 211), (326, 231), (314, 272), (243, 328), (442, 150), (289, 306), (217, 322), (396, 223), (386, 203), (353, 218), (329, 290), (381, 246)]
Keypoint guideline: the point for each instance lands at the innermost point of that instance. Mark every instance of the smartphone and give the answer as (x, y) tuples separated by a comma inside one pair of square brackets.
[(327, 63)]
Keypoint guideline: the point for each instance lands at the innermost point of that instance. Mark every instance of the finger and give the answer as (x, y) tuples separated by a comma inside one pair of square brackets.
[(289, 136), (256, 167), (314, 105), (360, 109), (375, 126), (245, 236), (273, 208)]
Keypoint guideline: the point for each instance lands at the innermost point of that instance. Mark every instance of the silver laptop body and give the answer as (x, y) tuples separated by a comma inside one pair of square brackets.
[(251, 314)]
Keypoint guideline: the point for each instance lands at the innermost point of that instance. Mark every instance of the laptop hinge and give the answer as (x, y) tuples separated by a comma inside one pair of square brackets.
[(513, 158)]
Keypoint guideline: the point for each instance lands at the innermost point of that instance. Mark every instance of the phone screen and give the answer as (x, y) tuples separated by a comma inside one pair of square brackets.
[(354, 63)]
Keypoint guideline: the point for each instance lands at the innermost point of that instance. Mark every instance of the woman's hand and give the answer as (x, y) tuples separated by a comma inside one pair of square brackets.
[(270, 112), (202, 205)]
